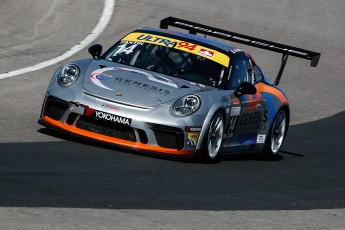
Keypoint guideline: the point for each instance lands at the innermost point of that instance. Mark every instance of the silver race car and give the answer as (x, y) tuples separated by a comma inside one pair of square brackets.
[(174, 93)]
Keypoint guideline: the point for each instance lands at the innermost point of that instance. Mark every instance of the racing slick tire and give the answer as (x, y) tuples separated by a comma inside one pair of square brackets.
[(209, 153), (276, 135)]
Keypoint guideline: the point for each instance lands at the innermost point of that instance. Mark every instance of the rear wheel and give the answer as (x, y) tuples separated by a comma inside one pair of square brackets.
[(212, 140), (276, 134)]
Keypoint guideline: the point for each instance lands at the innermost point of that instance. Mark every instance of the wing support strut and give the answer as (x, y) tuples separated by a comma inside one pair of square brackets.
[(281, 70)]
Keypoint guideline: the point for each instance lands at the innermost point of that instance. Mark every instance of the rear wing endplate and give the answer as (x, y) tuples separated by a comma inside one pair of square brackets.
[(286, 50)]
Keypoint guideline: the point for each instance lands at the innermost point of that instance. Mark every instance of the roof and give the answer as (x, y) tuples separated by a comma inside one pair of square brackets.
[(218, 44)]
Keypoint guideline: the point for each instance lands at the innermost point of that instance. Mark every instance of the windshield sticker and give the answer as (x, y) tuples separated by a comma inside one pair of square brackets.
[(153, 39), (123, 49), (186, 45), (137, 38), (132, 43), (206, 52)]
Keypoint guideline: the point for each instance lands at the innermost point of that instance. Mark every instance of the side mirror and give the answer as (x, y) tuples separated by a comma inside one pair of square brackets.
[(245, 88), (95, 50)]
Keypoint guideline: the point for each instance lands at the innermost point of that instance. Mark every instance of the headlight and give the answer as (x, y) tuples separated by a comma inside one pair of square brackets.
[(68, 75), (187, 105)]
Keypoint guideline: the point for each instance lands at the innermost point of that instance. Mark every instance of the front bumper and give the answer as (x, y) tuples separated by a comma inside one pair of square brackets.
[(74, 118)]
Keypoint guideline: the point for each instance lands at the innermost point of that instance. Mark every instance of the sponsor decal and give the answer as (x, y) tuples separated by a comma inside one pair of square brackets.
[(253, 118), (186, 45), (206, 52), (99, 75), (155, 78), (110, 107), (156, 40), (235, 111), (142, 85), (113, 118), (252, 121), (192, 139), (192, 129), (189, 47), (107, 116), (261, 139)]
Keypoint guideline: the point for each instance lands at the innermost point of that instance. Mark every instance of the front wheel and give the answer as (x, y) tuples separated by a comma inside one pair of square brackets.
[(212, 140), (276, 135)]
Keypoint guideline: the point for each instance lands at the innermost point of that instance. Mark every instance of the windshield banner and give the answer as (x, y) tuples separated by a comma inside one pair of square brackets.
[(180, 45)]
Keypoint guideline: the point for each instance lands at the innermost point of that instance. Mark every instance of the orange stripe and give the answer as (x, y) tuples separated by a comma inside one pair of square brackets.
[(263, 88), (116, 141), (251, 103)]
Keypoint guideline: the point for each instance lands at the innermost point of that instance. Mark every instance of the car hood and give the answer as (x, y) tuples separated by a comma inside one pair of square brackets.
[(134, 86)]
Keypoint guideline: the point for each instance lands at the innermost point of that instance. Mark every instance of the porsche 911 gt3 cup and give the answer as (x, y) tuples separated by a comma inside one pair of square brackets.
[(176, 93)]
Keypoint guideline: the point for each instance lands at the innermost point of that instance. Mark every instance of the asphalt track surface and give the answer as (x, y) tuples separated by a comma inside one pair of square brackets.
[(52, 181)]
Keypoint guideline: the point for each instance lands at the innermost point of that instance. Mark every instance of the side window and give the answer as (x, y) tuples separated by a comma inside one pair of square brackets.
[(241, 71), (257, 74)]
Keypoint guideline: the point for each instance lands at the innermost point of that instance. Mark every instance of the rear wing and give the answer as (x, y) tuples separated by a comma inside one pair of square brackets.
[(286, 50)]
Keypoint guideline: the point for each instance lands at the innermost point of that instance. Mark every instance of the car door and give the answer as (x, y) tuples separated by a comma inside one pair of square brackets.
[(246, 112)]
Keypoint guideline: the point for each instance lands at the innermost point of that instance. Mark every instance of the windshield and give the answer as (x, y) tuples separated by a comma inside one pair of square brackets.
[(171, 57)]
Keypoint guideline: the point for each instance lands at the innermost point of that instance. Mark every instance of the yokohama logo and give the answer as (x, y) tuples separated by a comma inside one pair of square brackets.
[(113, 118)]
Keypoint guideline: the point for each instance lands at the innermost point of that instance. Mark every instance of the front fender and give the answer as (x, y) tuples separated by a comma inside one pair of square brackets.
[(221, 104)]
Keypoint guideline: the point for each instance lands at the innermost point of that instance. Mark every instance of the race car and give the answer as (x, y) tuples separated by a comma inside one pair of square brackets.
[(169, 92)]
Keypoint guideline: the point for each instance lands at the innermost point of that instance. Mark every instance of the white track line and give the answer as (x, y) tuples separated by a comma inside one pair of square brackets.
[(102, 23)]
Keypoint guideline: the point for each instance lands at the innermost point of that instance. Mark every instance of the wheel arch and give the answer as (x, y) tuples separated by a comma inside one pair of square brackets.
[(286, 108), (207, 121)]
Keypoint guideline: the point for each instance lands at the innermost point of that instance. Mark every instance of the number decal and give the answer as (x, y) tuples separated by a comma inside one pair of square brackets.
[(186, 45), (124, 49)]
